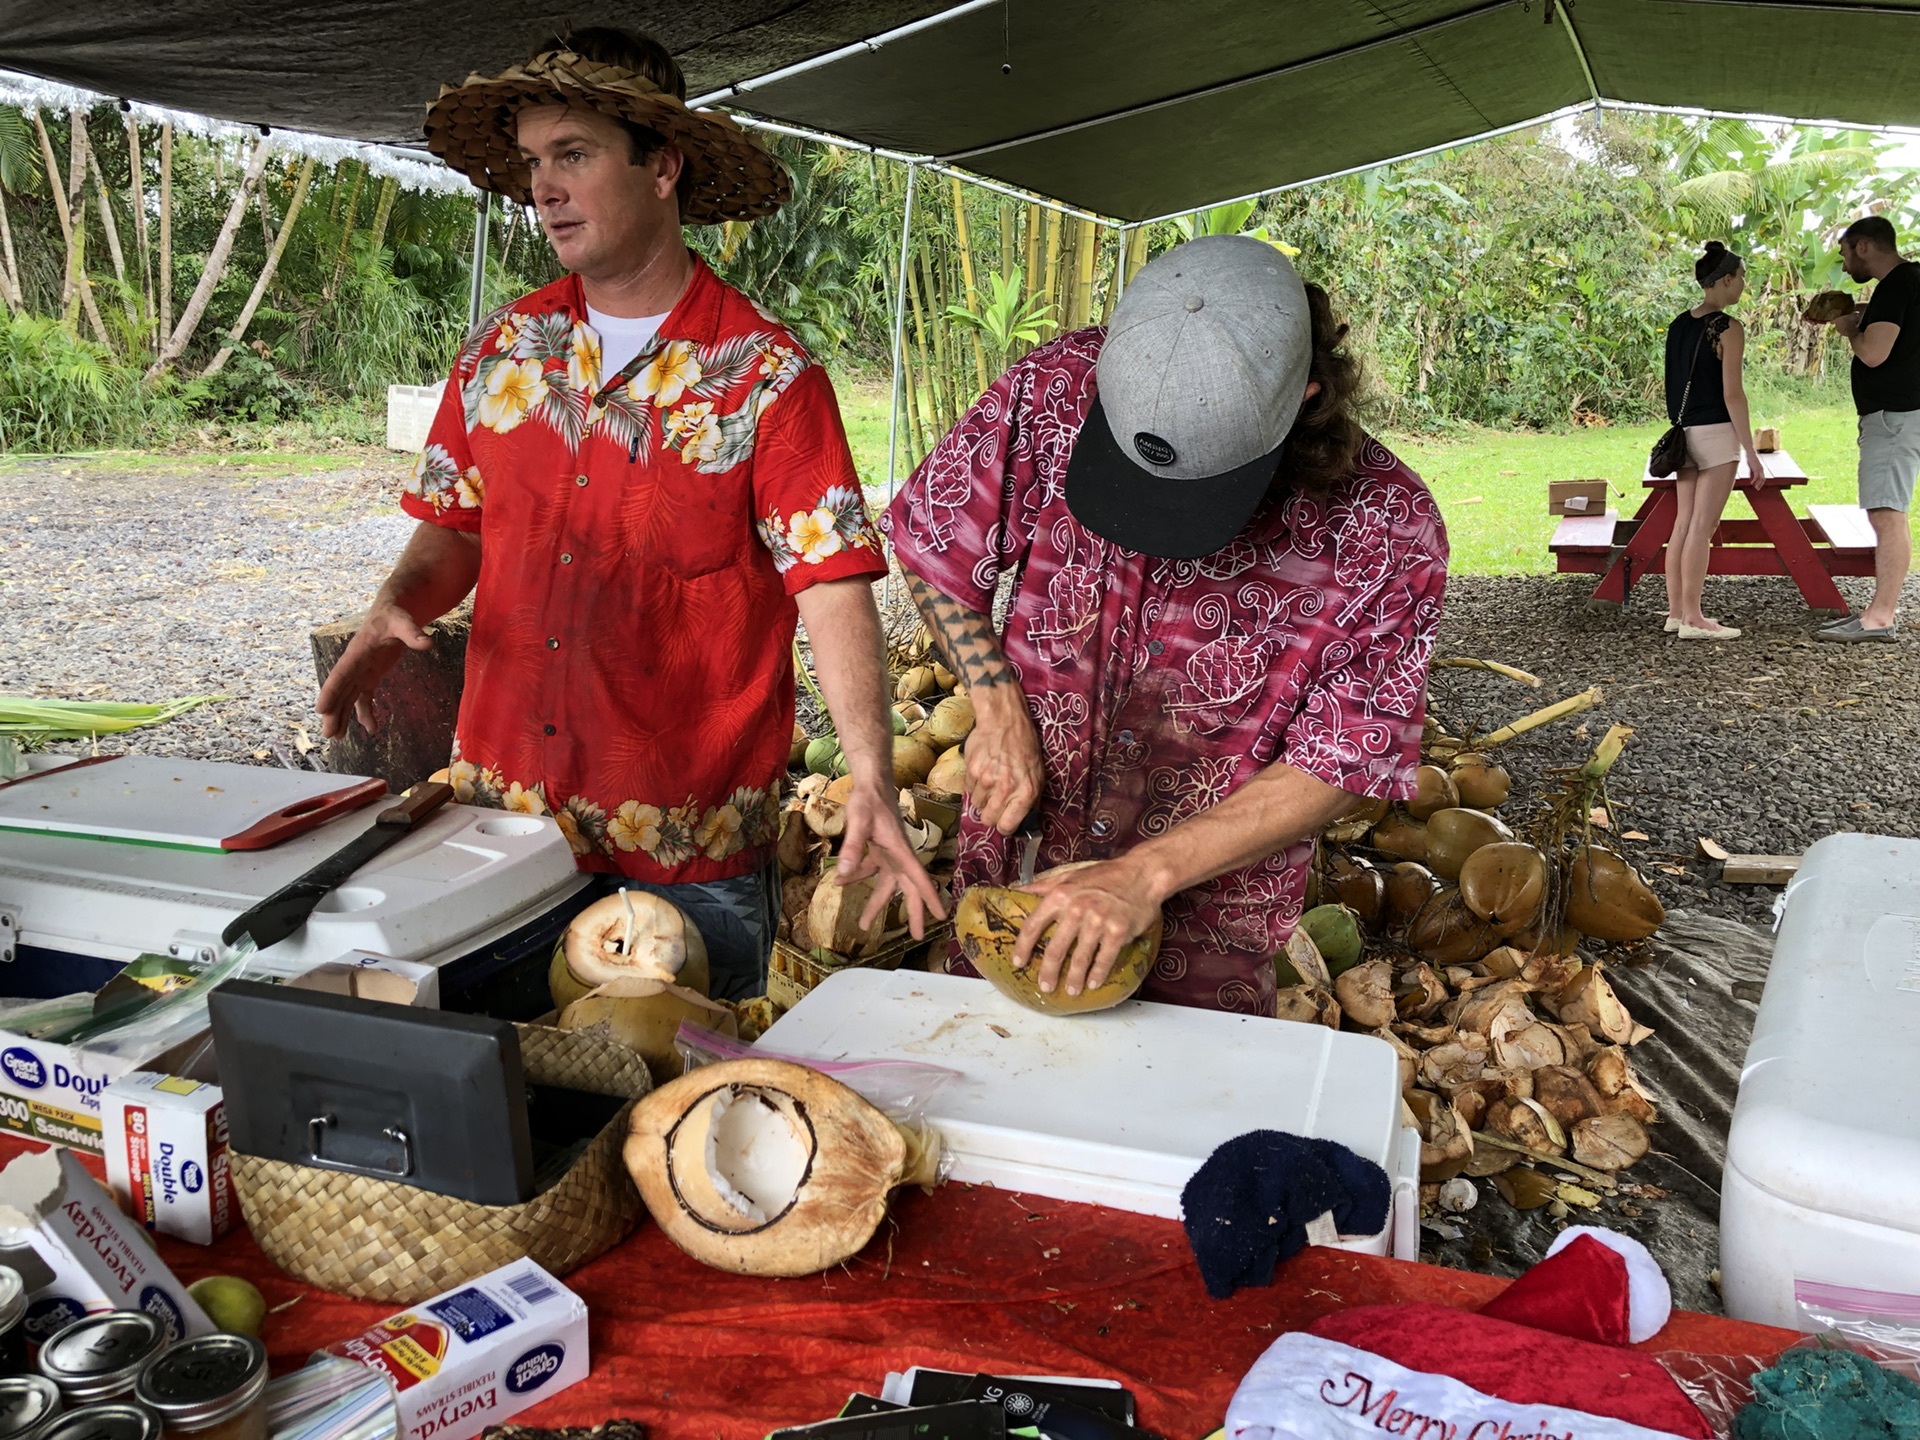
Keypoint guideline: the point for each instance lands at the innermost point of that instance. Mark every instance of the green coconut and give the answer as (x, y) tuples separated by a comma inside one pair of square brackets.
[(1335, 932)]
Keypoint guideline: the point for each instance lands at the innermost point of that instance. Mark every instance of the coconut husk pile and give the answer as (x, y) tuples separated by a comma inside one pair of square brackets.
[(932, 718), (1479, 948)]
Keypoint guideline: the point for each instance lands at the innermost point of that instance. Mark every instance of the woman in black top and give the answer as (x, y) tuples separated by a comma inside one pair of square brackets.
[(1704, 351)]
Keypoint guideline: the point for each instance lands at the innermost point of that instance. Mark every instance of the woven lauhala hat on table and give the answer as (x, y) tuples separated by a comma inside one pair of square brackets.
[(471, 127), (383, 1240)]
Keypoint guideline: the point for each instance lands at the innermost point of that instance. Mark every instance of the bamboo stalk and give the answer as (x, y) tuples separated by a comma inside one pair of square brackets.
[(137, 189), (239, 330), (1136, 250), (1547, 1157), (924, 343), (216, 265), (1051, 222), (934, 333), (1088, 255), (1467, 662), (1559, 710), (966, 274), (163, 280), (1008, 247)]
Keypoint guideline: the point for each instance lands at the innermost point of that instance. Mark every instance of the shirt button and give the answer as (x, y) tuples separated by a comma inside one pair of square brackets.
[(566, 557), (580, 480), (553, 642), (1154, 647), (1102, 827), (550, 729), (1126, 737)]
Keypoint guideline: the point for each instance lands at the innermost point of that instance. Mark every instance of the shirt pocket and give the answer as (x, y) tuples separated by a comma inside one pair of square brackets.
[(687, 523)]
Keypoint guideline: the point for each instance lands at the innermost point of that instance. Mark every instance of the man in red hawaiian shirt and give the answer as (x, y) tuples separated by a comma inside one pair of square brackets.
[(643, 477), (1224, 599)]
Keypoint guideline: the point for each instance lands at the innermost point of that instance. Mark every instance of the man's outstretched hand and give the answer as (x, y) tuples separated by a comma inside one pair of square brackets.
[(376, 646)]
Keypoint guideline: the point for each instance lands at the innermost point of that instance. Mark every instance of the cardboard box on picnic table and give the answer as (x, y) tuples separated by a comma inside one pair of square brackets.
[(1576, 497)]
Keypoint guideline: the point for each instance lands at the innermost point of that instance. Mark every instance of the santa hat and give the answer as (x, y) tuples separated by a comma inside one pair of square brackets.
[(1544, 1360)]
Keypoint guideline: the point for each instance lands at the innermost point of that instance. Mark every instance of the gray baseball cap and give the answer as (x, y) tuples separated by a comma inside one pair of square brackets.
[(1201, 377)]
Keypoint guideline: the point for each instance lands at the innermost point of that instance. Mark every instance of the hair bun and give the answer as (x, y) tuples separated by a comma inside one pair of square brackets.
[(1715, 247)]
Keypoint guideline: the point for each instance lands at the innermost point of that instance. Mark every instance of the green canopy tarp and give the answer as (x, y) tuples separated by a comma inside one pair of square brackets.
[(1129, 108)]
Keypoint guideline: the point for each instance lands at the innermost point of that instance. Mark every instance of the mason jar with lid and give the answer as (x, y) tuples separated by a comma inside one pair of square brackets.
[(26, 1402), (117, 1421), (99, 1358), (213, 1388)]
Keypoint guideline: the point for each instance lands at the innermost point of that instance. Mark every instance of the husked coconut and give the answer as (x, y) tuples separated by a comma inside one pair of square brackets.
[(1525, 1122), (1610, 1142), (1365, 993), (1528, 1047), (825, 809), (987, 924), (647, 1022), (634, 935), (764, 1167), (833, 917), (949, 773)]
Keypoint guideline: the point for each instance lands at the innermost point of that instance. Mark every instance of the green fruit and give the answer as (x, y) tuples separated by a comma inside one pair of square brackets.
[(1335, 932), (899, 722), (232, 1304), (824, 754)]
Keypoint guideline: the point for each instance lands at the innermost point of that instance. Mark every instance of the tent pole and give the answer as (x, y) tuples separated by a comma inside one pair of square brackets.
[(899, 341), (1120, 261), (476, 297)]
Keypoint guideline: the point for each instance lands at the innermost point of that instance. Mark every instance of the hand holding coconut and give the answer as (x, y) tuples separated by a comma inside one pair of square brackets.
[(1088, 915)]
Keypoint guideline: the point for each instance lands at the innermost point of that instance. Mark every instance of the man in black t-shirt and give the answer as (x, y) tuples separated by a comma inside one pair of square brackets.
[(1885, 337)]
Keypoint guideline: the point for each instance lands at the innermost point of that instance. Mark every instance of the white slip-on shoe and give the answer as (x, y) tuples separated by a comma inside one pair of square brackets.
[(1708, 632)]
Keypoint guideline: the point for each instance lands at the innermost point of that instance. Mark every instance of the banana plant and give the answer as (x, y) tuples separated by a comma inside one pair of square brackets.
[(1230, 219)]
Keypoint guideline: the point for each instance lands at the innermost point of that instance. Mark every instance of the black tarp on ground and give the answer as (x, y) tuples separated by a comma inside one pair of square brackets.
[(1131, 108), (1700, 994)]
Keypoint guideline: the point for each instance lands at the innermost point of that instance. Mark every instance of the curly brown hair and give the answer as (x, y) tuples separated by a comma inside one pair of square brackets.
[(1326, 437)]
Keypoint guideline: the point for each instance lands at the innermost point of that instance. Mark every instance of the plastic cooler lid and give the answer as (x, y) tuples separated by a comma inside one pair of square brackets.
[(1120, 1106), (1827, 1116), (465, 871)]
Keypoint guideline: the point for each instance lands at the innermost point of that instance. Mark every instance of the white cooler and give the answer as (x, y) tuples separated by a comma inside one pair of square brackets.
[(1820, 1204), (1118, 1107)]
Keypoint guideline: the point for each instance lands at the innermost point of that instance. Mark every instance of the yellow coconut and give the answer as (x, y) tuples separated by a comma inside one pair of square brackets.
[(1607, 899), (1433, 790), (634, 935), (949, 773), (987, 923), (646, 1019), (913, 759), (1482, 781), (949, 723), (764, 1167), (1454, 834), (797, 752), (1503, 882), (917, 684)]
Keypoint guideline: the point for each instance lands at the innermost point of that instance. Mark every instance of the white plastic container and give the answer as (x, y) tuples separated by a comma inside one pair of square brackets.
[(410, 412), (1820, 1204), (1119, 1107)]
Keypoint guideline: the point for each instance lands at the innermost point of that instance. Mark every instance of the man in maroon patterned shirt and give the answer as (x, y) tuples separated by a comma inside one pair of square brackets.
[(1224, 598)]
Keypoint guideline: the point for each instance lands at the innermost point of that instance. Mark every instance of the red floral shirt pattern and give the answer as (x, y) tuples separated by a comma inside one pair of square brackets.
[(630, 666), (1159, 687)]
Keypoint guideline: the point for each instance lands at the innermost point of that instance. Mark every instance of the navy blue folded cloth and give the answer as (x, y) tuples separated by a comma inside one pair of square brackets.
[(1246, 1208)]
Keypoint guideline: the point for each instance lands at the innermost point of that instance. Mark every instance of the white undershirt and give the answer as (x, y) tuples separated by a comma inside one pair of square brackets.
[(621, 338)]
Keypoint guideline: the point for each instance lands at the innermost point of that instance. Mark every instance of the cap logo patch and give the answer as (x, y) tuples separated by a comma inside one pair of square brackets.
[(1153, 449)]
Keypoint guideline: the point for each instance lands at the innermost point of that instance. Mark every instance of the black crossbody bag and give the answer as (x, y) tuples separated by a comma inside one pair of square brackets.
[(1670, 450)]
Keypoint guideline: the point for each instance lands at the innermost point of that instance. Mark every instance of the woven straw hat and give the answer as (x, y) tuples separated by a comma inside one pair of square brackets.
[(471, 127)]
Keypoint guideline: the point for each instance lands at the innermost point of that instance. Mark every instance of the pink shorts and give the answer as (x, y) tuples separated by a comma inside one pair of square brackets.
[(1711, 445)]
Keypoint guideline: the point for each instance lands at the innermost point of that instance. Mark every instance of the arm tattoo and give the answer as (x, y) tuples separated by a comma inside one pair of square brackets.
[(964, 636)]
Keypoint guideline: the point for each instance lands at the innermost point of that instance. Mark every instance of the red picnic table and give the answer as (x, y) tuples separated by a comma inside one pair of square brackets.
[(1832, 540), (967, 1278)]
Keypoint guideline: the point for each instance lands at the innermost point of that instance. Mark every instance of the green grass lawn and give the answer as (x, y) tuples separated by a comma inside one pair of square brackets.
[(1492, 484)]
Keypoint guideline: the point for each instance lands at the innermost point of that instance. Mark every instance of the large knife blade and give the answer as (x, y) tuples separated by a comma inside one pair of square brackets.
[(1029, 836), (287, 909)]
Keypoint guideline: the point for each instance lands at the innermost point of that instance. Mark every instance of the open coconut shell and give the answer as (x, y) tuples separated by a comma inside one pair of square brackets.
[(1419, 993), (1589, 1000), (1529, 1047), (1408, 1056), (1365, 993), (1568, 1095), (1610, 1142), (1607, 899), (1528, 1123), (1453, 835), (1457, 1063), (1308, 1004), (1446, 1140), (763, 1167), (987, 924), (633, 935)]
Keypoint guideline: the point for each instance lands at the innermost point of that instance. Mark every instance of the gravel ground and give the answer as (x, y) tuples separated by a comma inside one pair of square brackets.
[(147, 577)]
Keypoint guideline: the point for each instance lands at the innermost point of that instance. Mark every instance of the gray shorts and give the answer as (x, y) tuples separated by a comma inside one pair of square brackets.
[(1889, 458), (736, 918)]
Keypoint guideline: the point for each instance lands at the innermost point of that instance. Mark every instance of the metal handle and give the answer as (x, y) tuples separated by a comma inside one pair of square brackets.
[(318, 1126)]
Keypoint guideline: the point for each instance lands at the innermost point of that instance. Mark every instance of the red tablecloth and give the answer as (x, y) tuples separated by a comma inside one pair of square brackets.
[(964, 1279)]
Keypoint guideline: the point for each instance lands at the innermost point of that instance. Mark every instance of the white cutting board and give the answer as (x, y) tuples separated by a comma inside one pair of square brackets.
[(182, 804), (1118, 1107)]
